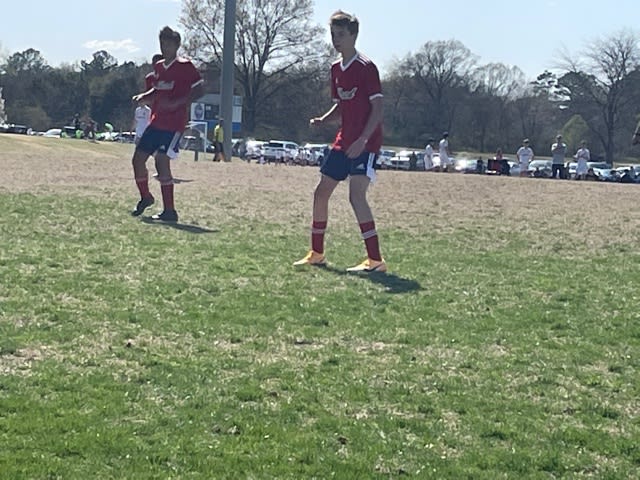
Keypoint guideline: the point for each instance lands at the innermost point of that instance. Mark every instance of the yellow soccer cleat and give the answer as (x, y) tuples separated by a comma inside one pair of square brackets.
[(312, 258), (369, 266)]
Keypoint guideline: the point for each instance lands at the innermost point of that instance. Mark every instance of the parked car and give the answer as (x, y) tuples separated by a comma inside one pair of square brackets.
[(467, 165), (383, 161), (316, 151), (282, 150), (607, 174), (125, 137), (635, 169), (598, 165), (13, 128), (53, 133), (253, 149), (514, 168), (402, 160), (540, 168)]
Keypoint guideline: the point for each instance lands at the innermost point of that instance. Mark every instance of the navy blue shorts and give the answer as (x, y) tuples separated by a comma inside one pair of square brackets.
[(338, 166), (163, 141)]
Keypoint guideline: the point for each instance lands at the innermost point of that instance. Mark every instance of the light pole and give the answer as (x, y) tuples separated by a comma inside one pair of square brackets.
[(228, 55)]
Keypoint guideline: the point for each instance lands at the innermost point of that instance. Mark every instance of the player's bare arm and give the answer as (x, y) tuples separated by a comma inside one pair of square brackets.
[(332, 114), (145, 97), (375, 119)]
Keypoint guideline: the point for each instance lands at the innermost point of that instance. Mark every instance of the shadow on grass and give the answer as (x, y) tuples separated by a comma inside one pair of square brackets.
[(177, 180), (392, 283), (178, 226)]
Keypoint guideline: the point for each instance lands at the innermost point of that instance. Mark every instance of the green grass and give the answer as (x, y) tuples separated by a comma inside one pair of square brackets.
[(133, 350)]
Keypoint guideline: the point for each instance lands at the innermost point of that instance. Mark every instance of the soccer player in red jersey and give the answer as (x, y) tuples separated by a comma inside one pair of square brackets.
[(176, 83), (357, 96), (151, 76)]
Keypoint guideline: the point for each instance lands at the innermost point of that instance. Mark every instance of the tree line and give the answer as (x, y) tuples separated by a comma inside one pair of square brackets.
[(282, 73)]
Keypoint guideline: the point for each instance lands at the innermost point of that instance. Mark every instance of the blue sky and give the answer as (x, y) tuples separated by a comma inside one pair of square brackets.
[(528, 34)]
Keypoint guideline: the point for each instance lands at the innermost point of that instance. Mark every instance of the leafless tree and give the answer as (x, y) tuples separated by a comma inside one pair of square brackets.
[(271, 38), (442, 68), (598, 84), (495, 86)]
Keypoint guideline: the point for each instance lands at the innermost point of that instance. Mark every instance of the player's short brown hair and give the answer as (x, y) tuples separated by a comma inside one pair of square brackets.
[(344, 19), (167, 33)]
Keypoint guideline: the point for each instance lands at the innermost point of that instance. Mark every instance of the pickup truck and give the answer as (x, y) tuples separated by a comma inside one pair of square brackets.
[(280, 151)]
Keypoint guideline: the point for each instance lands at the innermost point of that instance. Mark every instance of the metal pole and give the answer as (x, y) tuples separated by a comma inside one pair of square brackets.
[(228, 54)]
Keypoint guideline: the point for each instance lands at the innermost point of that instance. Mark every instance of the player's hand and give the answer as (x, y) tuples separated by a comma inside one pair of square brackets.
[(316, 121), (636, 139), (142, 98), (357, 147)]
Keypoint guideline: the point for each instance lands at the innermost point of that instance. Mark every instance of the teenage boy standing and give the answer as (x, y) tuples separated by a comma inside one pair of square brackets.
[(356, 90), (176, 84)]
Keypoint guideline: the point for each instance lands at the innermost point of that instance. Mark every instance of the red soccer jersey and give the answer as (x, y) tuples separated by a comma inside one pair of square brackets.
[(353, 86), (173, 81)]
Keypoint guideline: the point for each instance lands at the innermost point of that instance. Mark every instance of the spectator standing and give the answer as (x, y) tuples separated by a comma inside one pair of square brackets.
[(444, 152), (90, 130), (77, 125), (428, 156), (582, 157), (558, 154), (413, 161), (218, 137), (525, 156)]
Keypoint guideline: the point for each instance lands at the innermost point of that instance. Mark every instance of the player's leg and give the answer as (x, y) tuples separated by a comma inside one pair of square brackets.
[(163, 167), (144, 148), (358, 186), (334, 170)]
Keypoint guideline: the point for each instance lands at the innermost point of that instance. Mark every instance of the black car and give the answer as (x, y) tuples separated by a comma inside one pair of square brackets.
[(13, 128)]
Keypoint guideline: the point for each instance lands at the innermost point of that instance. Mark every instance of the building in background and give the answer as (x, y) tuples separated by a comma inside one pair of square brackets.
[(207, 109)]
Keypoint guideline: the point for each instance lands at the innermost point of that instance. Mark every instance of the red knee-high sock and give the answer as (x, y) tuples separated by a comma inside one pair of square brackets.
[(370, 237), (166, 186), (317, 236), (143, 185)]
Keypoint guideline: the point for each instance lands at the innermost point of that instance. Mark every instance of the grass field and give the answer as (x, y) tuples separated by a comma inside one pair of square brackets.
[(503, 343)]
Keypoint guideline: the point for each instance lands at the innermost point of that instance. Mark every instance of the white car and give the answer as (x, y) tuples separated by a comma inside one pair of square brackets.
[(384, 158), (253, 149), (402, 160), (514, 168), (280, 150), (317, 152), (53, 133)]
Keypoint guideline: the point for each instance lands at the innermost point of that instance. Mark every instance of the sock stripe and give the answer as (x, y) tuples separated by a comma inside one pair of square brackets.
[(369, 234)]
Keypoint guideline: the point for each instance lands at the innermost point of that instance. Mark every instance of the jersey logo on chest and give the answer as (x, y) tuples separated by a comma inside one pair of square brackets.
[(347, 94), (164, 85)]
